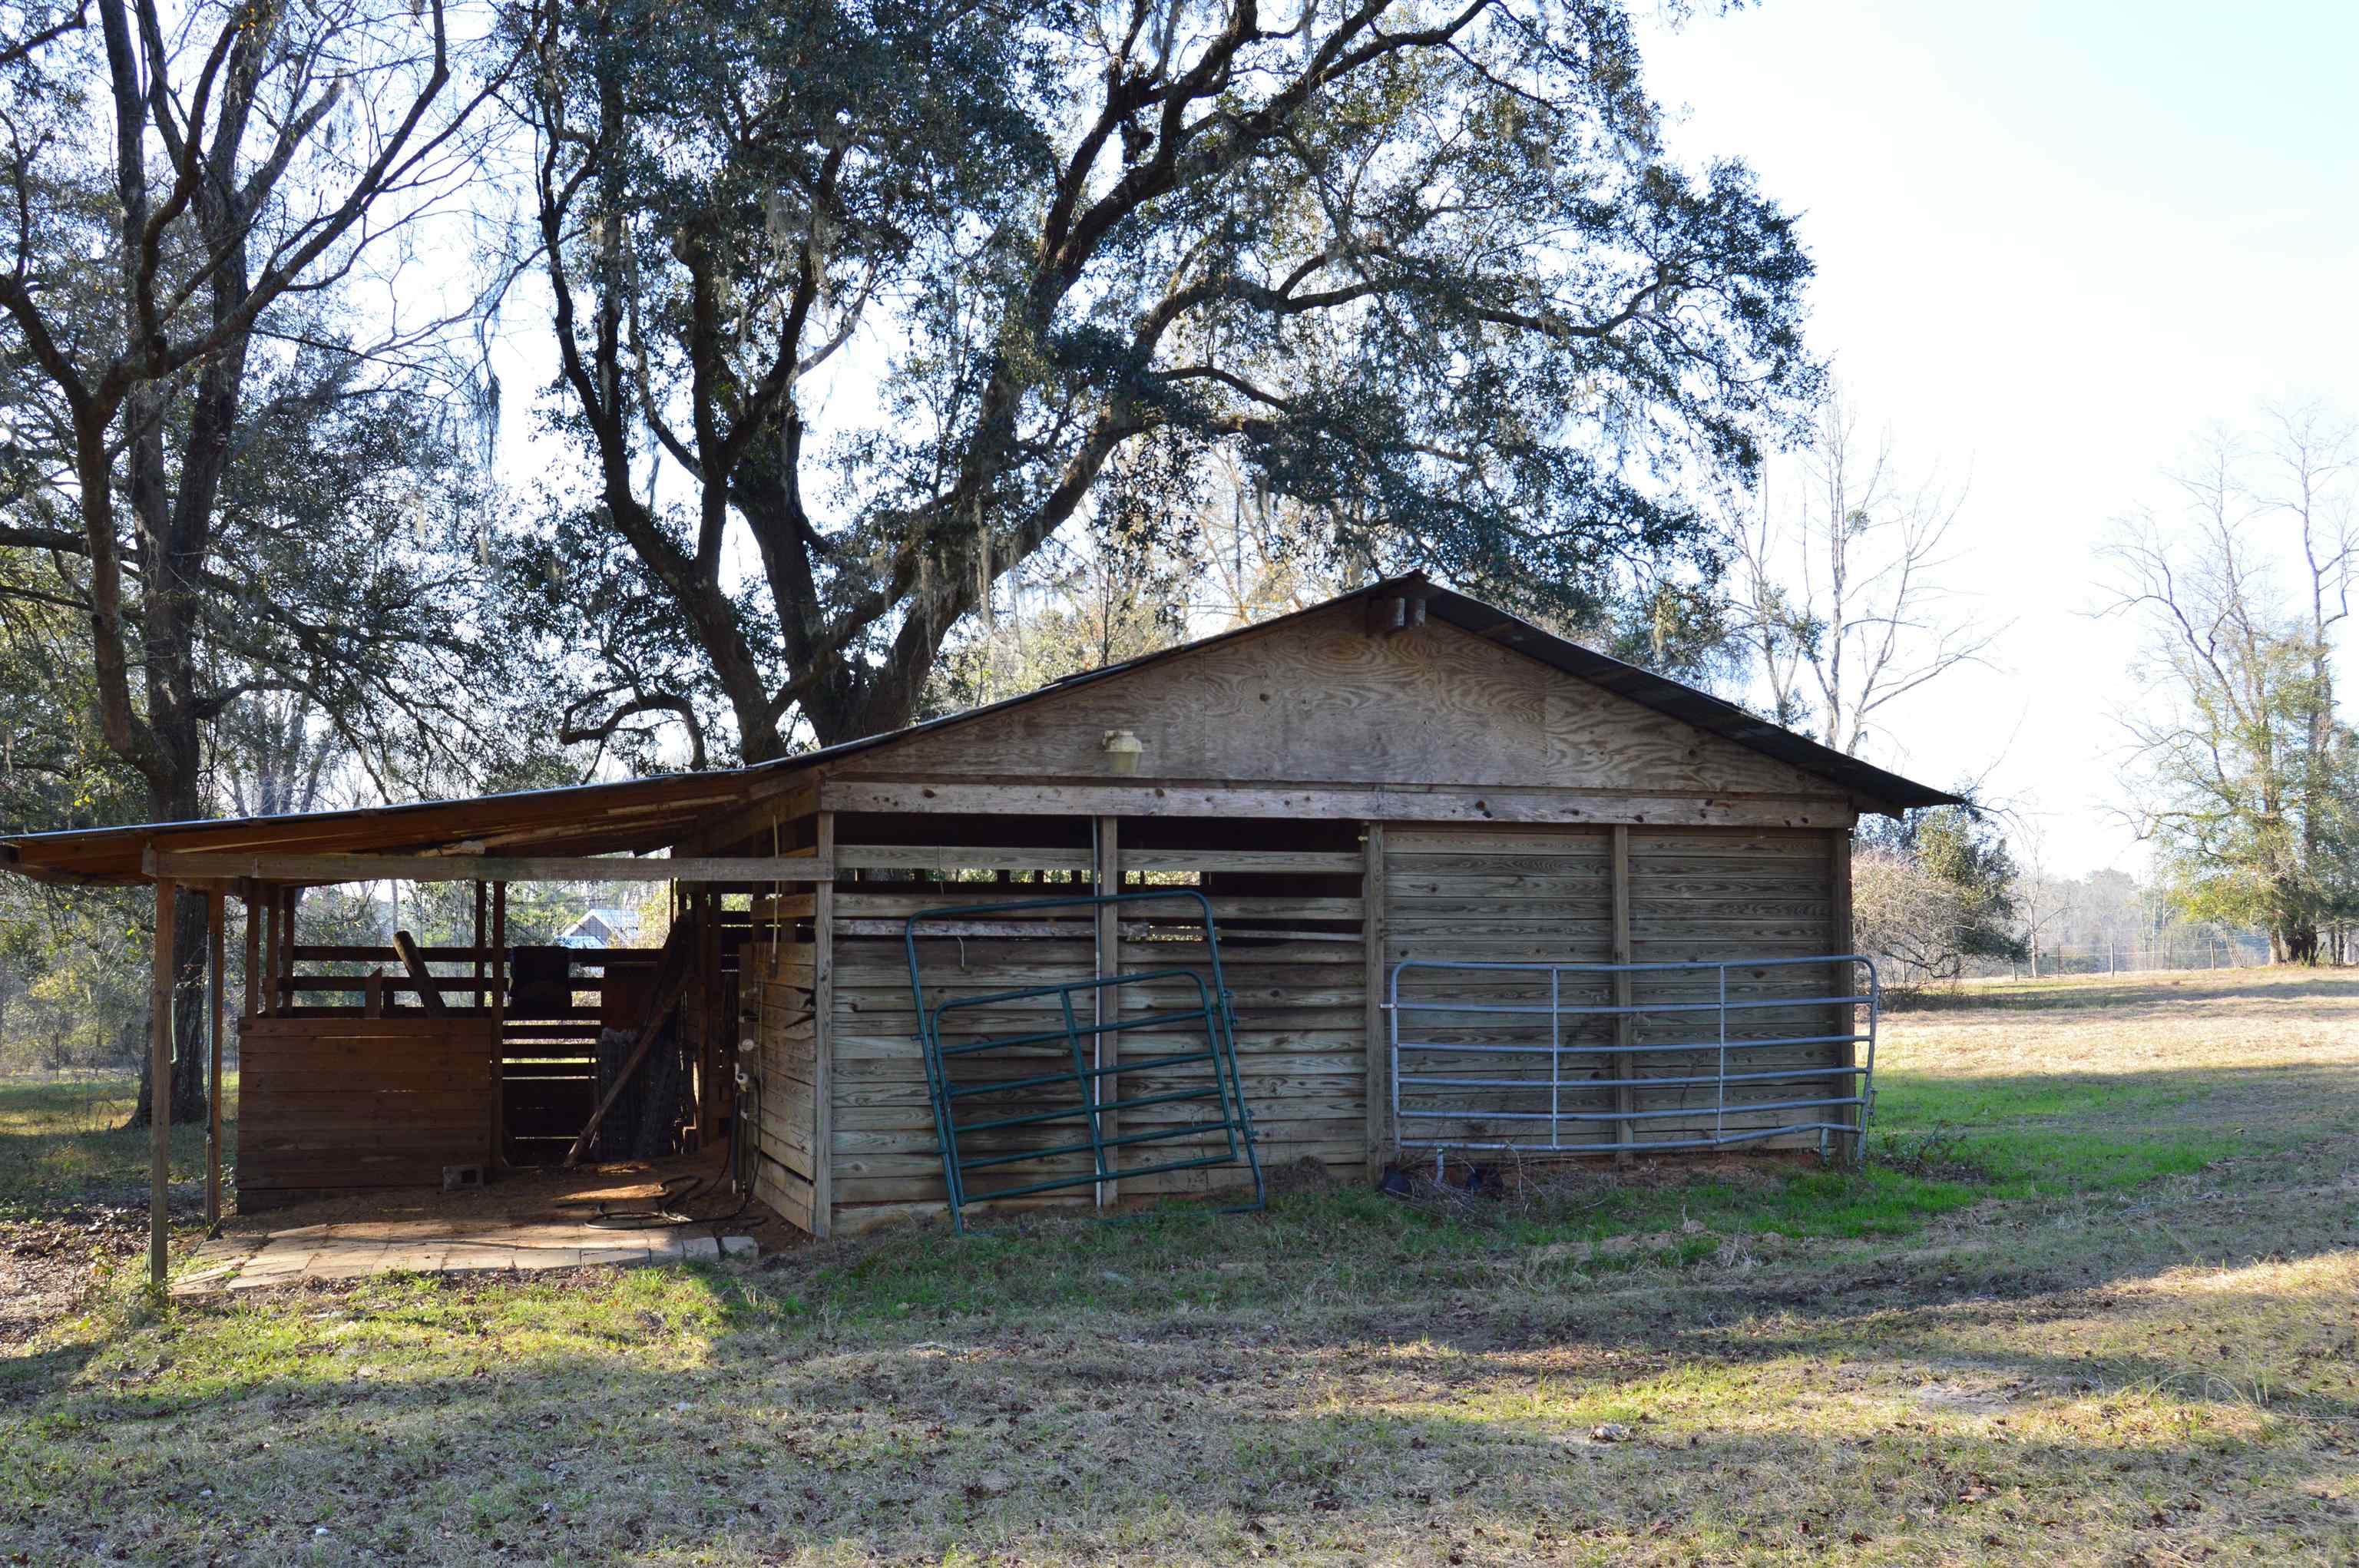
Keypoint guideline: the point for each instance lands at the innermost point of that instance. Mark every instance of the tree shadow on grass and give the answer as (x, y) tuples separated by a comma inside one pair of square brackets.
[(1090, 1442), (1348, 1378)]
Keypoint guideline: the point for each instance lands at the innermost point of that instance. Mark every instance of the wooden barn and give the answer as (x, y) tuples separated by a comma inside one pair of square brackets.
[(1474, 893)]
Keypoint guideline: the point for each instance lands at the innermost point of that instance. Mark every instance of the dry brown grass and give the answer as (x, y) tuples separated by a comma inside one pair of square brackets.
[(2059, 1367)]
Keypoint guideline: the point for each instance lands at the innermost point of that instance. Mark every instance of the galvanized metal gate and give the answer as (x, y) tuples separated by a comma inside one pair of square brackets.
[(959, 1031), (1499, 1056)]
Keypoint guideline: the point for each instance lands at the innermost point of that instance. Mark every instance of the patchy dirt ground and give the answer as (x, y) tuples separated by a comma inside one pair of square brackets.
[(49, 1267)]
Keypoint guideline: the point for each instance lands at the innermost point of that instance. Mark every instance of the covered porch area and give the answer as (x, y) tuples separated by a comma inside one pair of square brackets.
[(373, 1077)]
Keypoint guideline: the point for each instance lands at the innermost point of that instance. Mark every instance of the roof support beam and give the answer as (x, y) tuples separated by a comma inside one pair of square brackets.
[(160, 1091), (328, 868), (1397, 803), (771, 806)]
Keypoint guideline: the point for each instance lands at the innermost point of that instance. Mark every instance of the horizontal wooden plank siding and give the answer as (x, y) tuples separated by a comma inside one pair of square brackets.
[(1762, 894), (1299, 991), (1494, 895), (1221, 798), (1524, 895), (349, 1103), (1292, 923)]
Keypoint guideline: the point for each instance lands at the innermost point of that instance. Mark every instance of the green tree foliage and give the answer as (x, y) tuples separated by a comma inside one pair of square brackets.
[(1934, 890), (2247, 773), (1424, 272)]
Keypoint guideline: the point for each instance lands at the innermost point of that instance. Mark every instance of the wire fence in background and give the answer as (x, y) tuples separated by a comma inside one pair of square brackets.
[(2235, 952)]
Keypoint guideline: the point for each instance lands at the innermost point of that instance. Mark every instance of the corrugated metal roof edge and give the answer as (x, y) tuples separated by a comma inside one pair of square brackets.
[(1659, 693)]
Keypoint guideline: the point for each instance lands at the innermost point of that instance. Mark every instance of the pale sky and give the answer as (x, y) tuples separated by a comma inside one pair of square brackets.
[(2055, 243)]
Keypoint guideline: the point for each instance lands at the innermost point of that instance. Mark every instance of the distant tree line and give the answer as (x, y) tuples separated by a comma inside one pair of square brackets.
[(2247, 775)]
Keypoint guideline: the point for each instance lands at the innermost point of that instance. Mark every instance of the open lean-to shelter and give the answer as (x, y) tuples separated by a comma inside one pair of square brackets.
[(1397, 880)]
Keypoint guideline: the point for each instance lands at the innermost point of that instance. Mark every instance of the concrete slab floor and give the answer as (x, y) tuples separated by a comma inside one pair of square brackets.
[(532, 1222)]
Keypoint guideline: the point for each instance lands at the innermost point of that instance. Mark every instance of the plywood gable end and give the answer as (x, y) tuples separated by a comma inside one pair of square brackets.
[(1319, 699)]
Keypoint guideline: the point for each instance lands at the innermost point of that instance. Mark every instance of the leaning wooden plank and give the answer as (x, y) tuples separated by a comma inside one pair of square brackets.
[(430, 989), (672, 975)]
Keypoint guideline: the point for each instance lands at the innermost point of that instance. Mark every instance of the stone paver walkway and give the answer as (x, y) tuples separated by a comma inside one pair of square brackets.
[(349, 1249)]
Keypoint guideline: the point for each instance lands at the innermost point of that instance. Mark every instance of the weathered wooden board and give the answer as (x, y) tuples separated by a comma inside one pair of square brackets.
[(1316, 698), (782, 980), (1032, 795), (1514, 895), (335, 1102)]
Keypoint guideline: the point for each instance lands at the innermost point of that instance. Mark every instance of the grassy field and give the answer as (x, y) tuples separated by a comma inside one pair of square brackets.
[(60, 1148), (2095, 1299)]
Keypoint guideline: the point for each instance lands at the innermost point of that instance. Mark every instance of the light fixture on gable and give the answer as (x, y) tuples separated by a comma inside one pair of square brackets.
[(1122, 749)]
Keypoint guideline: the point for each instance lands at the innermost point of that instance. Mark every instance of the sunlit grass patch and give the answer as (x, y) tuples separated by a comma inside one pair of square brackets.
[(62, 1143)]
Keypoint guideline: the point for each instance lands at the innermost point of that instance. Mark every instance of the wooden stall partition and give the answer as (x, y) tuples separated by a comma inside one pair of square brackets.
[(824, 957), (886, 1156), (335, 1102), (1293, 957), (547, 1068), (1292, 926), (781, 977)]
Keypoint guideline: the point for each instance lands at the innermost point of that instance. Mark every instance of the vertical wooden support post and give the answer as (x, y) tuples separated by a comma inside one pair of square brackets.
[(823, 1035), (1375, 1024), (1107, 1049), (483, 969), (262, 980), (217, 957), (289, 899), (253, 980), (710, 1047), (1626, 1024), (1839, 939), (160, 1089), (499, 1005)]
